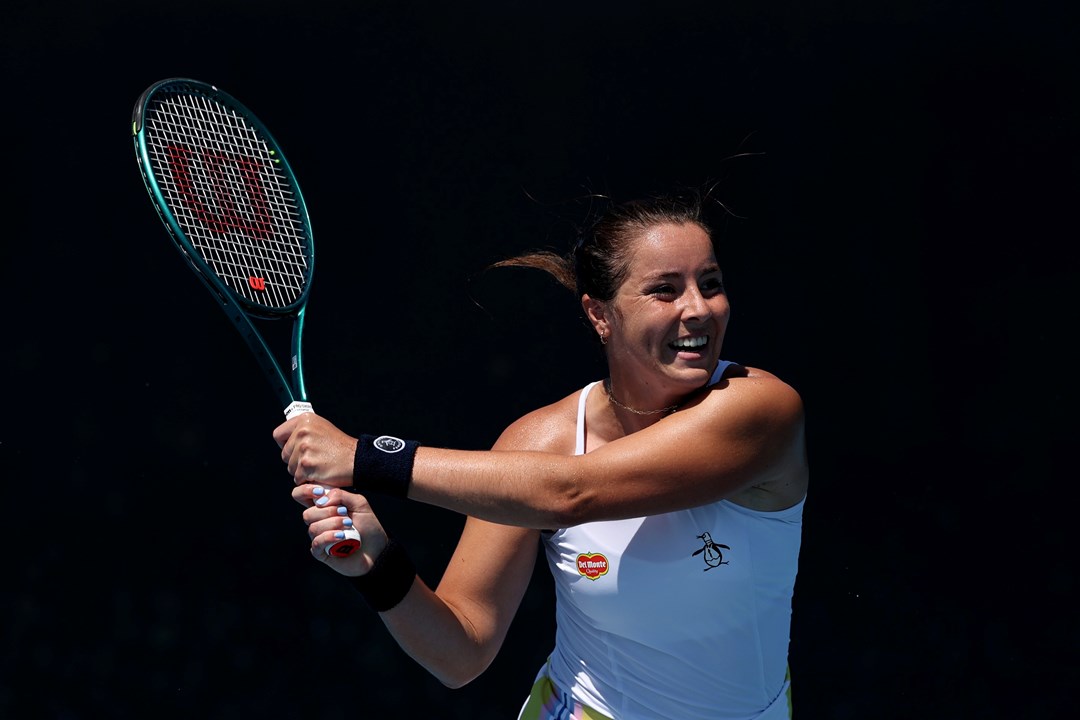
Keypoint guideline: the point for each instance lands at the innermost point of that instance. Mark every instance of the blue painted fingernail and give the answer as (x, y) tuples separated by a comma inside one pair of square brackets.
[(322, 501), (347, 522), (339, 535), (317, 490), (342, 510)]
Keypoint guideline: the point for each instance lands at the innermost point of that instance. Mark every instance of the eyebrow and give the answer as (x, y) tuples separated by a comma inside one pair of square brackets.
[(663, 275)]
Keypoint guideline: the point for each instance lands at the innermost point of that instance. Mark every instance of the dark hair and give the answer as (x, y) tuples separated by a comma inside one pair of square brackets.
[(598, 262)]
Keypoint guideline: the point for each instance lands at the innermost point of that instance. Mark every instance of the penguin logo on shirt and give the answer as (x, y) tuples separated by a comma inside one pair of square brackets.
[(713, 556)]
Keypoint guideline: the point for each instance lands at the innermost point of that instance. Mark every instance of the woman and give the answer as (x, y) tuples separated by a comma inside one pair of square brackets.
[(668, 498)]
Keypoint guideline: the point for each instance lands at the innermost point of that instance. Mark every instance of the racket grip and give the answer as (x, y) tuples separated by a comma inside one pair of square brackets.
[(344, 548), (297, 407), (351, 542)]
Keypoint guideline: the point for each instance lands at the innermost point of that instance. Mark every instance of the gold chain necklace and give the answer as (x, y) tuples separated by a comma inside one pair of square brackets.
[(607, 389)]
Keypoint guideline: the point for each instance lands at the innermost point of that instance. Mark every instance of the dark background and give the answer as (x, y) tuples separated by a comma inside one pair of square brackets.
[(897, 251)]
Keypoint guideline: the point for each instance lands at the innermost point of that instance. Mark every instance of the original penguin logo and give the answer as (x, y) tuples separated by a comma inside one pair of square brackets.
[(713, 556), (389, 444)]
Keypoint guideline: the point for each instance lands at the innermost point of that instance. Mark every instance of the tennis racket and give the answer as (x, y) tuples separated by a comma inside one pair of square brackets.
[(231, 204)]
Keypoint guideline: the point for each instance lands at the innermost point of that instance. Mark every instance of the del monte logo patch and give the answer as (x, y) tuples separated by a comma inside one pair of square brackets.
[(592, 565)]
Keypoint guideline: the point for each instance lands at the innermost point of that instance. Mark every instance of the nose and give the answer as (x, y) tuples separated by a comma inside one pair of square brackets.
[(695, 306)]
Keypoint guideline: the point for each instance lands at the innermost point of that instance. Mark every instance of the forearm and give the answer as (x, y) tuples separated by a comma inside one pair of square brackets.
[(437, 637), (524, 489)]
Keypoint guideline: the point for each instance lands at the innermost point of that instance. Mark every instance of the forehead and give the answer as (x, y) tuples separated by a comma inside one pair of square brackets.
[(671, 248)]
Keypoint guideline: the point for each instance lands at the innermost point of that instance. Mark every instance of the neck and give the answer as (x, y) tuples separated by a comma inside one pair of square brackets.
[(637, 411)]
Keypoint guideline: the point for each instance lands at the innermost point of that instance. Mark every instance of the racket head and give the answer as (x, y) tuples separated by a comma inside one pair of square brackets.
[(224, 189)]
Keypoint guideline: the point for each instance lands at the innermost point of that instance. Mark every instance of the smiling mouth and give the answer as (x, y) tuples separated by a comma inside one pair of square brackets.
[(691, 344)]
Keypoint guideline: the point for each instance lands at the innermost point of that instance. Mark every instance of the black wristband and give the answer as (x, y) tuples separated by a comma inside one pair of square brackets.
[(383, 465), (389, 579)]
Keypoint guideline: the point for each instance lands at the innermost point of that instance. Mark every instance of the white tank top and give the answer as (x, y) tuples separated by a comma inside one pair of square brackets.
[(684, 615)]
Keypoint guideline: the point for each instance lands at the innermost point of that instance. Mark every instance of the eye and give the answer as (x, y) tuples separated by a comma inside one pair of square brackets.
[(665, 290), (712, 285)]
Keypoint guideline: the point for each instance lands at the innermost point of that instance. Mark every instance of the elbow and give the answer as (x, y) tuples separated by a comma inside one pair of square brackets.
[(455, 683), (569, 505), (460, 665), (456, 675), (564, 516), (458, 655)]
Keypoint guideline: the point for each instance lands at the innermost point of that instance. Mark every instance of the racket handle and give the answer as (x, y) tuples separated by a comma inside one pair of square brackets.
[(297, 407), (345, 548), (342, 548)]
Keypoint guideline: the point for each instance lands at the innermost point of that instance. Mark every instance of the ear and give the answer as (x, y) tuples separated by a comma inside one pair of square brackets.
[(596, 311)]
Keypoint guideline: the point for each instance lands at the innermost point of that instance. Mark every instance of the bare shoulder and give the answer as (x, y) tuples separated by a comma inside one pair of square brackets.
[(760, 405), (761, 377), (754, 392), (548, 429)]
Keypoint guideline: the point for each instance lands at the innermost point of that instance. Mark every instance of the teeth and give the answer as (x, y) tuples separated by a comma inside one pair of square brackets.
[(694, 342)]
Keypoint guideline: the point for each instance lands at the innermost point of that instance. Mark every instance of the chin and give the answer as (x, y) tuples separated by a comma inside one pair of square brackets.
[(693, 376)]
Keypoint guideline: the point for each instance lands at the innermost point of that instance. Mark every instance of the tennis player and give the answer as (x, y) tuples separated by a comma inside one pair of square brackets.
[(667, 498)]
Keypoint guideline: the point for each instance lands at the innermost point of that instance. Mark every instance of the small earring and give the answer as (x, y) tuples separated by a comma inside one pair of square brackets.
[(603, 339)]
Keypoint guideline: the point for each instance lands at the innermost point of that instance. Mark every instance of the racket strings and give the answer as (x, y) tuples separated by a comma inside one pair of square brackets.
[(228, 193)]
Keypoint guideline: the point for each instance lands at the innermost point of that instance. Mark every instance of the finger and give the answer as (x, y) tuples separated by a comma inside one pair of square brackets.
[(324, 496), (283, 432), (323, 541), (331, 523), (317, 513), (287, 455), (302, 463), (302, 494), (291, 456), (329, 496), (292, 452)]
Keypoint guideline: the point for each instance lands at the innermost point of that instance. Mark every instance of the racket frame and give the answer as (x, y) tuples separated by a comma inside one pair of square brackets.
[(289, 387)]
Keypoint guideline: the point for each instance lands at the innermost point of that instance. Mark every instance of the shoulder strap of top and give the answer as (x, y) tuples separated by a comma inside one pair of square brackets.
[(725, 368), (579, 445)]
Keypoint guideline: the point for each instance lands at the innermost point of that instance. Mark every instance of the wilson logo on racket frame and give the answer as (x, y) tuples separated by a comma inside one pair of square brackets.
[(257, 283)]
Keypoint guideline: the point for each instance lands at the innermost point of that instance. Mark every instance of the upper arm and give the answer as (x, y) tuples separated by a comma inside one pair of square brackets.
[(492, 565), (744, 433)]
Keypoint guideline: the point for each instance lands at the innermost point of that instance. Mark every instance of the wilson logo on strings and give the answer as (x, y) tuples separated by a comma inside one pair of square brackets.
[(224, 192)]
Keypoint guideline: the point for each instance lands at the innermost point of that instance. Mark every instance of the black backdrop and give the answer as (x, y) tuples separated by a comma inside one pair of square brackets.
[(897, 251)]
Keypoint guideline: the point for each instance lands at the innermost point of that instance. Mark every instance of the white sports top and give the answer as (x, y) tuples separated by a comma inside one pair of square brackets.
[(684, 615)]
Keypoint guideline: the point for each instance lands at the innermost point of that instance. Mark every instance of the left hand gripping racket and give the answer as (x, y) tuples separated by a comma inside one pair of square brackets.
[(226, 193)]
